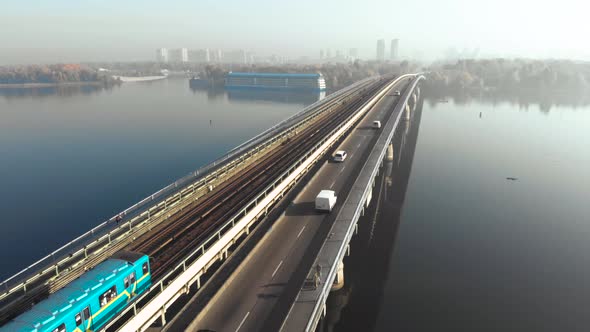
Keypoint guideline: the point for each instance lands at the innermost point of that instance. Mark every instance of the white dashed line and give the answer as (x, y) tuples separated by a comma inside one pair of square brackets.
[(243, 320), (301, 231), (278, 266)]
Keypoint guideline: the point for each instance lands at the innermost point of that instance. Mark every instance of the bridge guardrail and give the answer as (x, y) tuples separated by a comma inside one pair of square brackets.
[(51, 262), (326, 284), (187, 263)]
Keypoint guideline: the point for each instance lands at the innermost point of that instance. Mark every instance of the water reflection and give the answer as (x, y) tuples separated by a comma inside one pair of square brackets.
[(82, 154), (476, 250), (366, 271), (256, 96), (303, 98), (545, 100), (212, 93), (51, 91)]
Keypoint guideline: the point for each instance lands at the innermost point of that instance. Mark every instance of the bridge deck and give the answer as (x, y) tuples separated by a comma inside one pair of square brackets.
[(249, 296), (310, 302), (68, 262)]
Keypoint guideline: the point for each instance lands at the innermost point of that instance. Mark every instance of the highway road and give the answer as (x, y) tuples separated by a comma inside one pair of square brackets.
[(247, 298)]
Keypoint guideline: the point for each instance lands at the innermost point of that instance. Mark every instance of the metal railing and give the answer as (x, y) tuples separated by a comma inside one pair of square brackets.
[(140, 211), (177, 272), (327, 284)]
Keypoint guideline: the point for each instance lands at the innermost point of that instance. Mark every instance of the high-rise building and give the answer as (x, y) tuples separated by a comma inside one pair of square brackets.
[(216, 55), (178, 55), (329, 54), (250, 58), (236, 56), (199, 56), (162, 55), (353, 53), (394, 49), (381, 50), (321, 54)]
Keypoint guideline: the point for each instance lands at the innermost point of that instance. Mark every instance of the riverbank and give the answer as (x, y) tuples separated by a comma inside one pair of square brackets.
[(50, 85), (133, 79)]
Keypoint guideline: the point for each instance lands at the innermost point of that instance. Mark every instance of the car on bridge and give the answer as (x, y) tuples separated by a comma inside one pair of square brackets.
[(396, 93), (340, 156), (90, 301)]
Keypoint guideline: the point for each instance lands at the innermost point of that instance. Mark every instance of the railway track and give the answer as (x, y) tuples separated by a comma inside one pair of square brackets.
[(171, 230), (174, 240), (192, 224)]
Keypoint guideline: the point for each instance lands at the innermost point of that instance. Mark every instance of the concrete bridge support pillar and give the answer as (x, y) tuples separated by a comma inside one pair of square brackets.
[(417, 91), (390, 152), (369, 196), (408, 110), (414, 98), (339, 280)]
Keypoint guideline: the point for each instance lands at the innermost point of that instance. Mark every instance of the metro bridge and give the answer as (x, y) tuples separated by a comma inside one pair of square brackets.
[(250, 208)]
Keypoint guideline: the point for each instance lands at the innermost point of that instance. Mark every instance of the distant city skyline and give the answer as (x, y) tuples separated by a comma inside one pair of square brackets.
[(394, 49), (37, 31), (380, 52)]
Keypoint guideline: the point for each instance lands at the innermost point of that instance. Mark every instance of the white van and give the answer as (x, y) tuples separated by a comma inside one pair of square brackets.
[(376, 124), (339, 156), (325, 200)]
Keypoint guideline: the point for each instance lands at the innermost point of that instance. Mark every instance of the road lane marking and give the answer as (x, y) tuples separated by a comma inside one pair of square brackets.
[(301, 231), (332, 185), (278, 266), (243, 320)]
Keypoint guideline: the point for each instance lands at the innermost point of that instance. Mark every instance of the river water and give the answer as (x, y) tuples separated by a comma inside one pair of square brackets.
[(71, 158), (471, 249), (468, 250)]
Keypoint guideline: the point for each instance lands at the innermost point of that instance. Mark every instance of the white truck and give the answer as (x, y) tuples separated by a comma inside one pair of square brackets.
[(325, 200)]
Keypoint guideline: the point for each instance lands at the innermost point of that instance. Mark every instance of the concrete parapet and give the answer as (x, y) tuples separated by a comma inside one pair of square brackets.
[(339, 280)]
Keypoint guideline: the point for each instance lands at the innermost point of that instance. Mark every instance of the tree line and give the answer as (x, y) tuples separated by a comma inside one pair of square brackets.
[(51, 74), (336, 75), (510, 75)]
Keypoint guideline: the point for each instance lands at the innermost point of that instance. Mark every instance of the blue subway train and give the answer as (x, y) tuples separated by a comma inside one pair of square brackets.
[(87, 303)]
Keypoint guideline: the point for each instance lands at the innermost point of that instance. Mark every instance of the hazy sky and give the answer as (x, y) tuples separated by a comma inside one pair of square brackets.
[(94, 30)]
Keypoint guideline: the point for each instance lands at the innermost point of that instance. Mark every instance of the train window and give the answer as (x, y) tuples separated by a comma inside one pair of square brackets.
[(78, 319), (61, 328), (145, 268), (126, 282), (107, 296), (86, 313)]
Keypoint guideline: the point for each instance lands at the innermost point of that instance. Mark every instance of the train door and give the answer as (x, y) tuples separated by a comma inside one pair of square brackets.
[(83, 319)]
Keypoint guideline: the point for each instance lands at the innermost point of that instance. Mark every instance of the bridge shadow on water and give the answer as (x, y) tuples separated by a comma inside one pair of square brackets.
[(357, 305)]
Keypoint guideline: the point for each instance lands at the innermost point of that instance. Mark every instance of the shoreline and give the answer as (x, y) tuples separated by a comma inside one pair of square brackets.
[(134, 79), (49, 85)]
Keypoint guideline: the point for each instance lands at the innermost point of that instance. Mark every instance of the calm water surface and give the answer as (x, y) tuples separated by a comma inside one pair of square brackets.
[(472, 250), (71, 158)]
